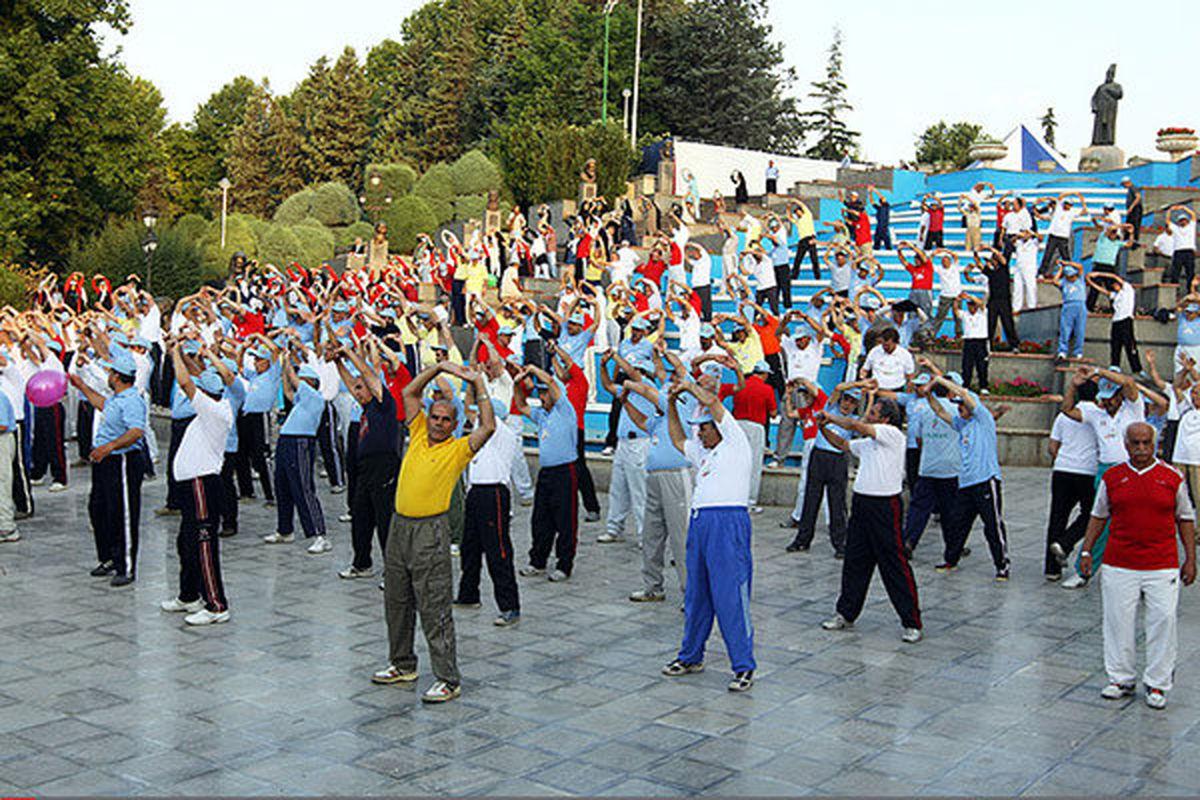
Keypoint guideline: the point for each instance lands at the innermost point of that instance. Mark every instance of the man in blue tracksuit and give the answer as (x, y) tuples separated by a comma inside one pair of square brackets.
[(719, 566), (1072, 323)]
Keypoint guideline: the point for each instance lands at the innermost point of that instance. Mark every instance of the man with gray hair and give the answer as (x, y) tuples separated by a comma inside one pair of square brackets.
[(874, 534), (1144, 504)]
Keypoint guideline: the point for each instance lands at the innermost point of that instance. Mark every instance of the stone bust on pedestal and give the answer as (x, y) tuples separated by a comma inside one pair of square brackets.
[(1103, 154)]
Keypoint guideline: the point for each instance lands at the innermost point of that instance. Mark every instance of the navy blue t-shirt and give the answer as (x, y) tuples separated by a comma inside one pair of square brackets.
[(378, 431)]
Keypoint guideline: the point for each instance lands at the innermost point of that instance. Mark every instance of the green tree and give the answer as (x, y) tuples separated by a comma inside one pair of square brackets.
[(718, 78), (835, 140), (195, 154), (1049, 126), (116, 251), (77, 133), (947, 143), (405, 218), (332, 105), (265, 155)]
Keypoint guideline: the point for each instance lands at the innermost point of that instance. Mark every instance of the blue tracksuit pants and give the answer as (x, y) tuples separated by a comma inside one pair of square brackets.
[(1072, 326), (294, 487), (719, 573)]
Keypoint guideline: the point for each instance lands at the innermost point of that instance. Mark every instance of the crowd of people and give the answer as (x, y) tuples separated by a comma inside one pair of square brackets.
[(417, 412)]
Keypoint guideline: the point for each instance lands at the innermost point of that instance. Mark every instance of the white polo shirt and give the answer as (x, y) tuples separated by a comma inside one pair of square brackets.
[(493, 462), (1183, 237), (880, 462), (1110, 428), (949, 278), (1061, 221), (722, 473), (701, 270), (202, 448), (1122, 302), (974, 324), (891, 370), (802, 362), (1078, 450), (1017, 221)]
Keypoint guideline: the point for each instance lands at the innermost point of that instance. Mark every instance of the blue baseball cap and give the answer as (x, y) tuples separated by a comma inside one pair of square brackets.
[(210, 381), (1107, 389), (1192, 307), (854, 393), (389, 313), (922, 379), (707, 331), (641, 324), (230, 364), (802, 330), (121, 362), (577, 319), (638, 362), (191, 348), (308, 371), (121, 338), (505, 330), (140, 341), (713, 368), (341, 307), (869, 301), (762, 366), (263, 353), (54, 345), (954, 378), (1070, 272)]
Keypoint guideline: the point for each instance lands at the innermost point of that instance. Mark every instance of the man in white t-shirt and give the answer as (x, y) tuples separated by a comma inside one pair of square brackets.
[(700, 262), (874, 534), (1181, 222), (197, 468), (888, 363), (719, 563), (1058, 236), (1118, 405)]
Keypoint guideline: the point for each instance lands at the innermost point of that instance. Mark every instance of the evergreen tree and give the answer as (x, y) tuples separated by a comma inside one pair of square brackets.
[(1049, 125), (195, 154), (943, 143), (332, 106), (835, 140), (265, 155)]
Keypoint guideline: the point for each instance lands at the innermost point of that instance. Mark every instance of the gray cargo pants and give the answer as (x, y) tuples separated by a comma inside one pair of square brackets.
[(418, 580), (668, 501)]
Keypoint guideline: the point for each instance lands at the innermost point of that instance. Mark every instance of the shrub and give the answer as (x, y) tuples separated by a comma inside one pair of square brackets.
[(239, 235), (443, 210), (295, 207), (405, 218), (436, 184), (14, 286), (333, 203), (280, 246), (474, 173), (116, 252), (310, 222), (470, 206), (541, 161), (191, 226), (394, 179), (344, 237), (316, 245)]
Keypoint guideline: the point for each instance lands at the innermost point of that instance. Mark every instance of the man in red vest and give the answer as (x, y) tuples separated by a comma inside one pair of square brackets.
[(1145, 503)]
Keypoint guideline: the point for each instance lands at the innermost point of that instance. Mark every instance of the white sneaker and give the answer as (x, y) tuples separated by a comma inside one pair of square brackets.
[(320, 545), (175, 605), (279, 538), (526, 501), (38, 482), (531, 571), (57, 487), (1076, 581), (351, 572), (837, 623), (773, 463), (911, 635), (206, 617), (10, 536), (557, 576), (756, 509), (609, 538), (1156, 699), (345, 517), (455, 551), (1115, 691), (441, 692), (608, 451), (337, 489)]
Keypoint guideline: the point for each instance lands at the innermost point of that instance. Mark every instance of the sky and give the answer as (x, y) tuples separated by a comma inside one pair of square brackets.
[(907, 64)]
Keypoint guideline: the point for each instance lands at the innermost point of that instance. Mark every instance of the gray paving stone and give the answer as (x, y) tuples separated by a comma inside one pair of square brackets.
[(100, 693)]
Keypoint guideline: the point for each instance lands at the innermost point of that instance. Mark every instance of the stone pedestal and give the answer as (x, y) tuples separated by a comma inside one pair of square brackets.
[(587, 191), (1098, 158), (491, 221)]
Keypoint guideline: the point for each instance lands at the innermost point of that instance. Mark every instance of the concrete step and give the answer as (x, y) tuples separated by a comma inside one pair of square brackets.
[(1040, 324)]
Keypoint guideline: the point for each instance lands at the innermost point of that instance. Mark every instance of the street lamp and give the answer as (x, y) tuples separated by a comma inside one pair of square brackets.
[(637, 75), (150, 243), (224, 184), (608, 9), (625, 93)]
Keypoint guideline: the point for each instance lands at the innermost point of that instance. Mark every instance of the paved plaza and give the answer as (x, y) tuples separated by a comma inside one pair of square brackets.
[(101, 693)]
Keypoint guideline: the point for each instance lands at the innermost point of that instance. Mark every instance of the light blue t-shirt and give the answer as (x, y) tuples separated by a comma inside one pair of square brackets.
[(8, 419), (305, 416), (556, 430), (181, 406), (1187, 331), (1106, 251), (577, 344), (628, 348), (663, 452), (263, 390), (977, 445), (940, 456), (235, 393), (626, 429), (917, 409), (821, 443), (123, 412), (1074, 291)]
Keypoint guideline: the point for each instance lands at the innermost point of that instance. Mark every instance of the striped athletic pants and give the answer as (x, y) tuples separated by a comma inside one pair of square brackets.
[(115, 508), (197, 543)]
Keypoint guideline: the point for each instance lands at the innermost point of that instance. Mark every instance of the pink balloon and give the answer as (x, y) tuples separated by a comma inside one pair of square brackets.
[(46, 387)]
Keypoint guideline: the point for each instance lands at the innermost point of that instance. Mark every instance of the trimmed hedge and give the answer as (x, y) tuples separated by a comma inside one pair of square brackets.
[(474, 173), (394, 179), (436, 184), (117, 251), (343, 238), (405, 218)]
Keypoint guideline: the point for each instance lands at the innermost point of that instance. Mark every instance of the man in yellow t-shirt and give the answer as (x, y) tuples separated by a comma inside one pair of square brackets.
[(417, 574)]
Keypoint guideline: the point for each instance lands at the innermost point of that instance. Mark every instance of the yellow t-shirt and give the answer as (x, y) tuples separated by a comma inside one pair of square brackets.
[(429, 472), (748, 352)]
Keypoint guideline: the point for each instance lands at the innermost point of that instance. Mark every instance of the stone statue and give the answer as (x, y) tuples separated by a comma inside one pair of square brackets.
[(493, 200), (1104, 107), (588, 175)]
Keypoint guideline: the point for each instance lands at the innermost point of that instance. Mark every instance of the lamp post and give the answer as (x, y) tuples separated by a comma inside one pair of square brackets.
[(150, 243), (374, 208), (224, 184), (637, 75), (625, 93), (608, 9)]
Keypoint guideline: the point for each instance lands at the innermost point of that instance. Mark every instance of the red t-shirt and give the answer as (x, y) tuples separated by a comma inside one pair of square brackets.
[(922, 274), (653, 270), (577, 393), (1142, 528), (396, 381), (805, 420), (862, 229), (936, 218), (755, 403), (249, 324), (490, 330), (584, 249), (676, 256), (1000, 214)]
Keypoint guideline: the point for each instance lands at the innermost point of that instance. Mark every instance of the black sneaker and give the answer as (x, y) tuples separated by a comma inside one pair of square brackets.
[(797, 547), (677, 668), (121, 580), (227, 532), (102, 569), (742, 681), (839, 555), (789, 523)]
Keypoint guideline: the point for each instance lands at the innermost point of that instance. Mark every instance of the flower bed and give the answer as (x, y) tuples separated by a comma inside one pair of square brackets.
[(1176, 132), (1018, 387)]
